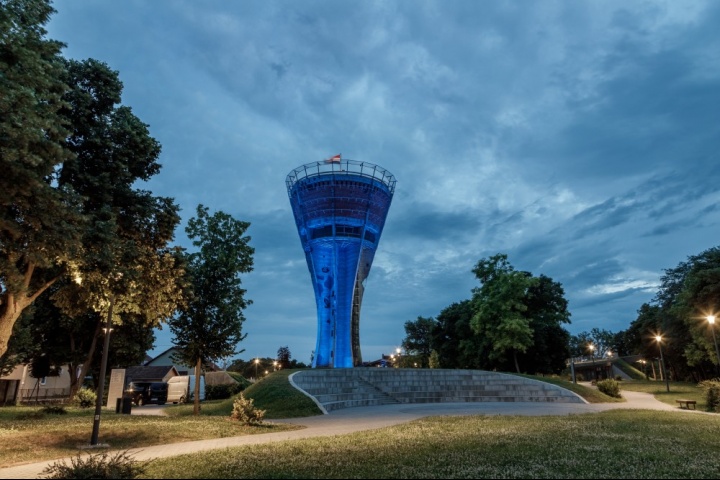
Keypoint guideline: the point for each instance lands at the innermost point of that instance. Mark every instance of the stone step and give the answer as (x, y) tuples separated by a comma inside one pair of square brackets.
[(346, 388)]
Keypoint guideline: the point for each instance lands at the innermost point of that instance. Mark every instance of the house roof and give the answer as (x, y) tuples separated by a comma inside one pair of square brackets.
[(210, 367), (148, 373), (149, 359)]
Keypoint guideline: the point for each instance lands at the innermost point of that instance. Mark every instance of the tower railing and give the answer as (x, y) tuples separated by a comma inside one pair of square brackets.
[(342, 167)]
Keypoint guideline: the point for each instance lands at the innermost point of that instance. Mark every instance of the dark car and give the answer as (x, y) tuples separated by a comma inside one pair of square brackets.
[(144, 393)]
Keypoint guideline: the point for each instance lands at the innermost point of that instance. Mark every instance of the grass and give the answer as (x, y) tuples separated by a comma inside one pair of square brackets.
[(592, 395), (614, 444), (279, 399), (678, 390), (629, 370), (28, 436)]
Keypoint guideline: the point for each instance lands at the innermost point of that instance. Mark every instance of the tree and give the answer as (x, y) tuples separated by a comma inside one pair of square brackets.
[(40, 224), (456, 342), (500, 307), (71, 158), (418, 339), (125, 258), (283, 357), (700, 297), (209, 326), (547, 310)]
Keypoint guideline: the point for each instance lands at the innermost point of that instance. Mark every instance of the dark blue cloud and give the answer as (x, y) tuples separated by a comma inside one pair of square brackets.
[(580, 139)]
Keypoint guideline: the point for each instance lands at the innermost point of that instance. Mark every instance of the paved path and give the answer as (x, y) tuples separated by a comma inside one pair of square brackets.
[(351, 420)]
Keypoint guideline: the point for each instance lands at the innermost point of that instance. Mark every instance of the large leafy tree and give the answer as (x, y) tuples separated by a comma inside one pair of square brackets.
[(454, 340), (678, 312), (125, 258), (40, 224), (500, 308), (547, 310), (418, 339), (699, 298), (71, 159), (209, 326)]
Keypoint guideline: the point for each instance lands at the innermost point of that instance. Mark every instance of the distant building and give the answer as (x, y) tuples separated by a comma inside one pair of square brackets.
[(166, 358), (19, 387), (159, 373)]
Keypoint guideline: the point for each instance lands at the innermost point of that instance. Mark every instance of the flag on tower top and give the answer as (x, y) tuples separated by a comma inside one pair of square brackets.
[(334, 158)]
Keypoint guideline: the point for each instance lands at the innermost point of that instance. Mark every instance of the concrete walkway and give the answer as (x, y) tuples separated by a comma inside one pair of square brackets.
[(351, 420)]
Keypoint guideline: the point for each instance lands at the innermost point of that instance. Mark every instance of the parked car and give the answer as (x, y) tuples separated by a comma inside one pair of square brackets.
[(181, 388), (144, 393)]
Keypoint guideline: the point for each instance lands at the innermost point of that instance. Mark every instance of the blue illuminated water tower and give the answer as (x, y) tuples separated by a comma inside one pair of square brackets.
[(340, 208)]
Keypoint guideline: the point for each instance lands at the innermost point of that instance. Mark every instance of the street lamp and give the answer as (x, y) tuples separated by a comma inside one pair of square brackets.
[(103, 369), (658, 338), (711, 321), (257, 360), (275, 366)]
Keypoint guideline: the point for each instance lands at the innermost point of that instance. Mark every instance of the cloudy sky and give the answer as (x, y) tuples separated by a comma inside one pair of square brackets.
[(580, 138)]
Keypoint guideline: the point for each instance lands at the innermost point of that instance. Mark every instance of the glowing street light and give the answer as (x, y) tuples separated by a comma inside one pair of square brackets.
[(658, 339), (275, 366), (711, 321), (257, 361), (103, 369), (591, 347)]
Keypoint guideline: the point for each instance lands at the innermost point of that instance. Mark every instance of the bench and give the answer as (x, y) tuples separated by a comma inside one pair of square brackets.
[(687, 403)]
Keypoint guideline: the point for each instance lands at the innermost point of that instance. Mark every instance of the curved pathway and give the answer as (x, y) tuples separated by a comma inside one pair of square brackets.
[(356, 419)]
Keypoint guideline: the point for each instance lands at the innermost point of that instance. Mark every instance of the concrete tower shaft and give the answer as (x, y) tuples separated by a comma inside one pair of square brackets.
[(340, 209)]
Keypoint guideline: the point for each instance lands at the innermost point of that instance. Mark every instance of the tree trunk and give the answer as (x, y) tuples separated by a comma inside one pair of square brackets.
[(12, 305), (77, 380), (196, 408)]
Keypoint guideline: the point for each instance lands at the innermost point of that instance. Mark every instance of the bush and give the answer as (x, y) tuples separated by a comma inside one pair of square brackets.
[(85, 398), (609, 387), (54, 410), (618, 378), (100, 466), (221, 392), (712, 394), (245, 412)]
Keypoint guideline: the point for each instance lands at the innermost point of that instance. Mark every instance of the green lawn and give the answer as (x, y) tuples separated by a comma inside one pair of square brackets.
[(678, 390), (614, 444), (28, 435)]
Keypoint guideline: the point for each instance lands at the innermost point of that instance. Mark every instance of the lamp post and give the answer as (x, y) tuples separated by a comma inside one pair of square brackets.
[(658, 338), (103, 368), (257, 360), (711, 321), (275, 366)]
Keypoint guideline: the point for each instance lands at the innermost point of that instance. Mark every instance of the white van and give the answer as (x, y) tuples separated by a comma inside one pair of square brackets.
[(181, 388)]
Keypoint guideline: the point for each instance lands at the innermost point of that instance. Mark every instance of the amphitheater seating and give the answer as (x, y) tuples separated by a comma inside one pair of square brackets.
[(354, 387)]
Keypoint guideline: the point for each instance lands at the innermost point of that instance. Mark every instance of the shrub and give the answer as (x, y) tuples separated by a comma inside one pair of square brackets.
[(245, 412), (54, 410), (609, 387), (220, 392), (618, 378), (101, 466), (712, 394), (85, 398)]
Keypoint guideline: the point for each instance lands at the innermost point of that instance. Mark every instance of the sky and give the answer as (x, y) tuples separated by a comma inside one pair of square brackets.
[(579, 138)]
